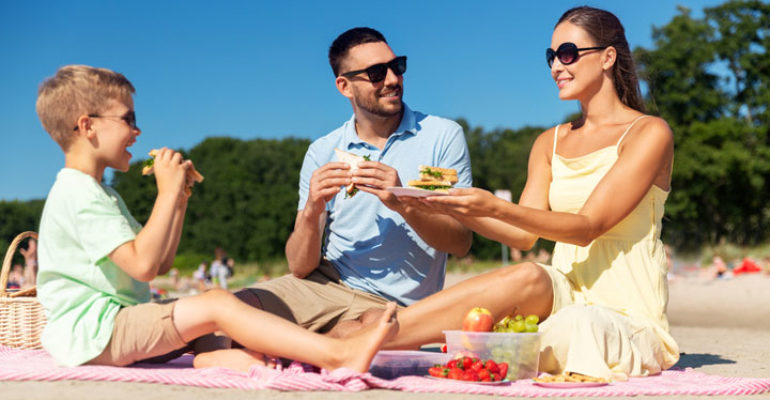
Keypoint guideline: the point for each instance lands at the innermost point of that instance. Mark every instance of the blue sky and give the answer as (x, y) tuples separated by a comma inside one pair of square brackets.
[(258, 69)]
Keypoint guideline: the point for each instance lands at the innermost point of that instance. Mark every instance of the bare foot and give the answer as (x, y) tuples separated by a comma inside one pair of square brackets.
[(235, 359), (360, 348)]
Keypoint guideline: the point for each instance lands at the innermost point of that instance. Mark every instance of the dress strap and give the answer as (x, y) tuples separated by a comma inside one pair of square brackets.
[(555, 136), (629, 128)]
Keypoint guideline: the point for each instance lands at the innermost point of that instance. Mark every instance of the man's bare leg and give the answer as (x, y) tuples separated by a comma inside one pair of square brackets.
[(525, 288), (348, 327)]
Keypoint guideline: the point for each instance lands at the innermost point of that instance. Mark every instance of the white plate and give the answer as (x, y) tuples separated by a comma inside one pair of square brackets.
[(569, 385), (503, 382), (413, 192)]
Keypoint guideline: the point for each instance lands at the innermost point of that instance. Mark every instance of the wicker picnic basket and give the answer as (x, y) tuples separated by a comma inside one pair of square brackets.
[(21, 316)]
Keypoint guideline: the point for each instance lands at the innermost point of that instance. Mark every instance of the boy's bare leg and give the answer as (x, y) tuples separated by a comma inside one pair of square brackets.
[(525, 288), (265, 333)]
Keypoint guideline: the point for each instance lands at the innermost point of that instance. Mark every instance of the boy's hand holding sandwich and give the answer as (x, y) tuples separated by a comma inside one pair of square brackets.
[(171, 170)]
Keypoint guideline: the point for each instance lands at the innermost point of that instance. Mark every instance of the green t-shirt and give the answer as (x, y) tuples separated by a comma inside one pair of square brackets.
[(80, 288)]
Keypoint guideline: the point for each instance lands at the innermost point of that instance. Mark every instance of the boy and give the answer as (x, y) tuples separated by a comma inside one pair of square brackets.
[(95, 259)]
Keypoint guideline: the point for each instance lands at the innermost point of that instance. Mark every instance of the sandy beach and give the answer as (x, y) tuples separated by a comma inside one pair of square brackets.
[(722, 327)]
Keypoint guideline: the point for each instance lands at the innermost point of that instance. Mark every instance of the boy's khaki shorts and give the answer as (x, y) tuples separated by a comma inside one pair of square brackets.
[(316, 302), (143, 332)]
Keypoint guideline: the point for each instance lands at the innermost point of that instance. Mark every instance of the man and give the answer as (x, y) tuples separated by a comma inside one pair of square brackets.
[(351, 254)]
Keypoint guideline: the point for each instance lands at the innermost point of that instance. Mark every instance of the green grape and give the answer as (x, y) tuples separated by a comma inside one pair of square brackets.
[(519, 326), (530, 327), (518, 318), (532, 319)]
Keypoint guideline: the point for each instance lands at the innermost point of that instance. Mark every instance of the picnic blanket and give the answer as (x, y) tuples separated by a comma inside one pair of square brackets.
[(37, 365)]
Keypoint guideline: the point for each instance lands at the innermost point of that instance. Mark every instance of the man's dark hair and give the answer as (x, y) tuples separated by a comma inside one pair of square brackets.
[(349, 39)]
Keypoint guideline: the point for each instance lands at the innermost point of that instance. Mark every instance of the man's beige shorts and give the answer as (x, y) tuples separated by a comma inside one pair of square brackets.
[(316, 302), (144, 332)]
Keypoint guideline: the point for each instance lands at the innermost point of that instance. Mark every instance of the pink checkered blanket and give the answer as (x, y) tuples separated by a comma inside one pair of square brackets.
[(37, 365)]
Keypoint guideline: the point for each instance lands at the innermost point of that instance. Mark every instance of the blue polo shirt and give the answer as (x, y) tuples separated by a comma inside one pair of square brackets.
[(371, 246)]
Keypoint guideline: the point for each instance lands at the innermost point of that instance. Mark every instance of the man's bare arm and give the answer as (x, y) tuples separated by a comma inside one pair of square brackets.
[(303, 249)]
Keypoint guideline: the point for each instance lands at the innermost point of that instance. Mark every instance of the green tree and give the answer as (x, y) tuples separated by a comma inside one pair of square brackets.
[(17, 217), (246, 204), (681, 87), (741, 39), (499, 159), (719, 118)]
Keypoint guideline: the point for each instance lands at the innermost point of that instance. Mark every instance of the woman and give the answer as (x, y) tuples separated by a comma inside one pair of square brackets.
[(597, 187)]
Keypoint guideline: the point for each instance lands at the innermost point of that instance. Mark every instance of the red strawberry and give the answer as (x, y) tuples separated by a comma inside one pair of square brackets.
[(503, 369), (492, 367), (484, 375), (467, 362), (477, 365), (471, 375), (443, 348), (438, 371), (455, 373)]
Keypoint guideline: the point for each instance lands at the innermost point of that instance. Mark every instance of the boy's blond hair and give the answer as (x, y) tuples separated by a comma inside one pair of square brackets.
[(78, 90)]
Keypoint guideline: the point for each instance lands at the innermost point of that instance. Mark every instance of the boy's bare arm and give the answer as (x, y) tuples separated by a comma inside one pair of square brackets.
[(176, 233), (142, 258)]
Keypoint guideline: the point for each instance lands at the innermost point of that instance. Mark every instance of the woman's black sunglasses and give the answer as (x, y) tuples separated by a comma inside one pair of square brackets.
[(378, 72), (567, 53)]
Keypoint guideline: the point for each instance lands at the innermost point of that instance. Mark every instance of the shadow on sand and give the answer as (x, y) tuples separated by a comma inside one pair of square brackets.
[(698, 360)]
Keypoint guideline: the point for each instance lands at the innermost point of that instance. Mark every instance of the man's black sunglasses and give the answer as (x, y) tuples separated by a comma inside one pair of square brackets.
[(567, 53), (129, 117), (378, 72)]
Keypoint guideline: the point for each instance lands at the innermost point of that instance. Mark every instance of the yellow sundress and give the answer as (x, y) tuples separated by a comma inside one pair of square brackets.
[(609, 314)]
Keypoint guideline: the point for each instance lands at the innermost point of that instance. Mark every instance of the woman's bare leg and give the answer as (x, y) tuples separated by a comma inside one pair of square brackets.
[(265, 333), (524, 288)]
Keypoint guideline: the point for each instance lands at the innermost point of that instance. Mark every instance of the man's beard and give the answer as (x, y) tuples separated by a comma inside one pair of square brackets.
[(372, 105)]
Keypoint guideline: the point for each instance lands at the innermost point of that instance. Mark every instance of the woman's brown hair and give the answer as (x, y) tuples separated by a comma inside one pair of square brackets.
[(606, 30)]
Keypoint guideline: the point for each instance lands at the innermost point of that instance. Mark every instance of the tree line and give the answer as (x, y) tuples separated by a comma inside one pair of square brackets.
[(708, 77)]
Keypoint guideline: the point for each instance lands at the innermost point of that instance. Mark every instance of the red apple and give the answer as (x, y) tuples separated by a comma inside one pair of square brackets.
[(478, 319)]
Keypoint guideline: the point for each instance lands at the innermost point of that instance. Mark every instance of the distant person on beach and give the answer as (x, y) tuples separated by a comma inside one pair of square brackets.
[(348, 255), (719, 267), (29, 252), (219, 269), (597, 187), (96, 260), (200, 277), (15, 277)]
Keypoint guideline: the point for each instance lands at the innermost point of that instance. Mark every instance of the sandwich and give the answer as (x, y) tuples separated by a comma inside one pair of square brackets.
[(435, 179), (352, 160), (148, 169)]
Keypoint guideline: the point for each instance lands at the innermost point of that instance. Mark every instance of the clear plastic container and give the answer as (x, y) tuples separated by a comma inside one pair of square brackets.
[(520, 350), (390, 364)]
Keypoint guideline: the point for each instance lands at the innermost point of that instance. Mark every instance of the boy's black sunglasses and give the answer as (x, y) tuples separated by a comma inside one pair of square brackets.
[(378, 72), (129, 117), (567, 52)]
